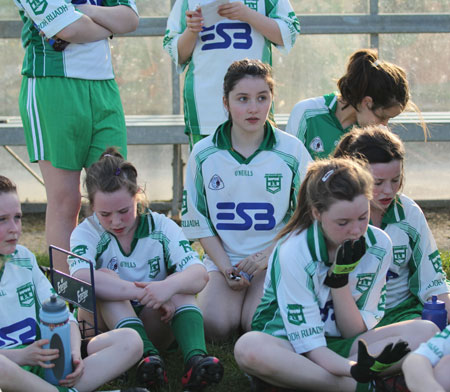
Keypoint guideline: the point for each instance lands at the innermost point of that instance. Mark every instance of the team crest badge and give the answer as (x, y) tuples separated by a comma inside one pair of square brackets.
[(26, 295), (435, 259), (399, 254), (113, 265), (364, 282), (253, 4), (155, 269), (273, 182), (216, 183), (38, 6), (316, 144), (295, 314)]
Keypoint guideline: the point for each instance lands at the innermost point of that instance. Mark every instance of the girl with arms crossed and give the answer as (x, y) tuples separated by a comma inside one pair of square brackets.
[(416, 272), (23, 288), (371, 92), (240, 191), (324, 290), (147, 275), (248, 30)]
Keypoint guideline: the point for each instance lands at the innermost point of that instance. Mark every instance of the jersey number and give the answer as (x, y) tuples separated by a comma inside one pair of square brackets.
[(242, 37), (327, 311), (240, 210), (22, 332)]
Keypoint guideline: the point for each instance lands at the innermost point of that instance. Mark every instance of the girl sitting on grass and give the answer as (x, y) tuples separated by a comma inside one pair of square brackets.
[(23, 288)]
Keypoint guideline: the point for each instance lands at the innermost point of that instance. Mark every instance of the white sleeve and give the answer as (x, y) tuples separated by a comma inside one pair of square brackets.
[(176, 24), (194, 211), (180, 255), (297, 302), (436, 347), (288, 23), (83, 242), (296, 125), (51, 16)]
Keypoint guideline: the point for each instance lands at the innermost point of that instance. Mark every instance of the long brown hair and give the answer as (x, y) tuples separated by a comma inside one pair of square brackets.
[(326, 182)]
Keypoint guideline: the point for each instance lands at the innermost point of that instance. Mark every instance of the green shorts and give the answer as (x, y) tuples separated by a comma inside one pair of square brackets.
[(70, 122), (340, 345), (407, 310)]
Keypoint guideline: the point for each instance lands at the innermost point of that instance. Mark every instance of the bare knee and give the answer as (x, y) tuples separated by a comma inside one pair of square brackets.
[(219, 329), (249, 356)]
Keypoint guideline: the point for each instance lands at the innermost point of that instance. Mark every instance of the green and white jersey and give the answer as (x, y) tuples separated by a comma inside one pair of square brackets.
[(244, 201), (416, 266), (159, 249), (297, 305), (216, 48), (436, 347), (91, 60), (314, 122), (23, 288)]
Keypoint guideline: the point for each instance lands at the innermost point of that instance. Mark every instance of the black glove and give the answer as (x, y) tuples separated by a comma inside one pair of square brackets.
[(347, 258), (369, 367)]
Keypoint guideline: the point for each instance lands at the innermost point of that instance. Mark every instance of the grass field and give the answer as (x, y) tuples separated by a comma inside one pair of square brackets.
[(233, 380)]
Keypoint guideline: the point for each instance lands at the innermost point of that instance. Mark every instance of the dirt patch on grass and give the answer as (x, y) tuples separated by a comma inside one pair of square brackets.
[(33, 234)]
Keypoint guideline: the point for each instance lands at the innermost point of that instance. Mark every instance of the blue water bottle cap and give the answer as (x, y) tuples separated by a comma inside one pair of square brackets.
[(53, 304), (434, 304)]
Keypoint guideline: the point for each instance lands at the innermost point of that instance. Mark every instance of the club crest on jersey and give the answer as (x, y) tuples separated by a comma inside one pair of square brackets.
[(253, 4), (38, 6), (155, 269), (364, 282), (113, 265), (435, 259), (273, 182), (295, 314), (399, 254), (316, 144), (26, 295), (216, 183)]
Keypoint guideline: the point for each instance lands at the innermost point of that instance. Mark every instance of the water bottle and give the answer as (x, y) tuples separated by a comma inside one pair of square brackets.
[(435, 311), (55, 327)]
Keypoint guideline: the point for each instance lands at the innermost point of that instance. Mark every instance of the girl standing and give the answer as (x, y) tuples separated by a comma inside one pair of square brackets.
[(147, 275), (371, 92), (248, 30), (324, 290), (240, 191), (416, 272)]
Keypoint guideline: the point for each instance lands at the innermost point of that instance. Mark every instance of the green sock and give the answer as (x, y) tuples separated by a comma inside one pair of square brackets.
[(136, 324), (187, 327), (365, 387)]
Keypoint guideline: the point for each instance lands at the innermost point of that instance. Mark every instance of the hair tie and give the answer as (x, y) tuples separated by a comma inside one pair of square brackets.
[(376, 63), (327, 175), (117, 172), (107, 155)]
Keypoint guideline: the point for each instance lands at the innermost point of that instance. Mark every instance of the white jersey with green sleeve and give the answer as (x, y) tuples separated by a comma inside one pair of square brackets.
[(436, 347), (416, 266), (91, 61), (159, 248), (297, 305), (245, 202), (23, 289), (216, 48), (314, 122)]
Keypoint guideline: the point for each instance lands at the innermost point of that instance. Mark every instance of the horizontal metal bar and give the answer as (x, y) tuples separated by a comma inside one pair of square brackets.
[(169, 129), (310, 24)]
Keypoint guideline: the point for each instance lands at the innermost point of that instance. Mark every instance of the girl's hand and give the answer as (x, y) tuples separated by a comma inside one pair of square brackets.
[(234, 11), (78, 370), (235, 281), (194, 20), (154, 294), (255, 263), (167, 311), (35, 355)]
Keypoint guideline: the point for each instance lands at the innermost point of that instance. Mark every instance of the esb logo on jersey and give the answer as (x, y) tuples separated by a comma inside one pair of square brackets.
[(244, 216), (224, 35)]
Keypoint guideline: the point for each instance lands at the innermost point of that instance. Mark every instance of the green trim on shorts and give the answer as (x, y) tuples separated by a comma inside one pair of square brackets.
[(70, 122), (340, 345), (408, 310)]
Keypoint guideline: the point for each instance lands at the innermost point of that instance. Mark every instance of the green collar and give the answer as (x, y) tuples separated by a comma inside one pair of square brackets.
[(331, 101), (395, 213), (318, 248), (3, 260), (222, 139)]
